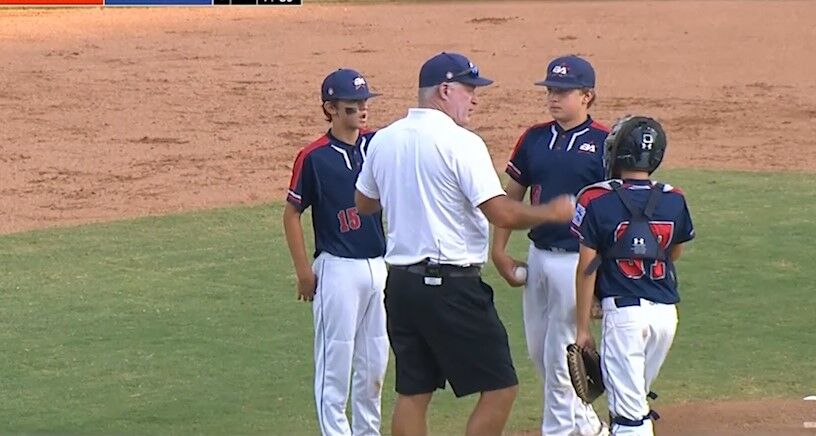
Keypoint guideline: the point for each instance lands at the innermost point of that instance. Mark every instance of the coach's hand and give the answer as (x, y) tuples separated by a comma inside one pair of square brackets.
[(561, 209), (506, 266), (306, 285)]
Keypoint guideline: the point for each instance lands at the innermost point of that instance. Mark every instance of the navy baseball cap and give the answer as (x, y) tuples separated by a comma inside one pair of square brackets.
[(450, 67), (345, 84), (569, 72)]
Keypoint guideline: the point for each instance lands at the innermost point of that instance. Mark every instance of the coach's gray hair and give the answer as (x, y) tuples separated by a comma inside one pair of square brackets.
[(426, 94)]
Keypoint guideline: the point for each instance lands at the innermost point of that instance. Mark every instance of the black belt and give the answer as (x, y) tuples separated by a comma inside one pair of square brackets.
[(443, 270), (627, 301)]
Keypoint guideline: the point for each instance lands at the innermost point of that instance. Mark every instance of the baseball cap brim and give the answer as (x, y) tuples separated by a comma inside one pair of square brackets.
[(354, 97), (474, 81), (556, 84)]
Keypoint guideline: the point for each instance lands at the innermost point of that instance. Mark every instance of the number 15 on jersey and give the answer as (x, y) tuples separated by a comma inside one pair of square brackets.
[(349, 220)]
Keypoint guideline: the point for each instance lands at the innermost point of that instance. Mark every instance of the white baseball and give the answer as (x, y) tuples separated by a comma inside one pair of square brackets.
[(520, 273)]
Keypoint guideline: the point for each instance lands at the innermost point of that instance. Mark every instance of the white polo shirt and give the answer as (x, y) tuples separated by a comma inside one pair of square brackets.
[(430, 176)]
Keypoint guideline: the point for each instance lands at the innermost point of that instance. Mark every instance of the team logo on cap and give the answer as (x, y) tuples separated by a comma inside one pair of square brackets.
[(359, 82), (561, 70), (330, 91)]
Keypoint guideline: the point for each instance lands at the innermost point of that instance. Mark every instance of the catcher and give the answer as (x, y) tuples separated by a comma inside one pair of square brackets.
[(631, 231)]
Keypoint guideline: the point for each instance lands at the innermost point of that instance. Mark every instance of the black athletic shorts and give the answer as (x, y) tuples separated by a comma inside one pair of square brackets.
[(447, 332)]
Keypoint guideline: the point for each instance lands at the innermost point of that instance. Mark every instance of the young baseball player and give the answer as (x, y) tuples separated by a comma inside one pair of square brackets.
[(347, 278), (631, 231), (554, 158)]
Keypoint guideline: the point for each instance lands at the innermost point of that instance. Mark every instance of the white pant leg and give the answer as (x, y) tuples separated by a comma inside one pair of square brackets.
[(549, 324), (636, 340), (564, 413), (370, 354), (335, 308), (534, 307), (662, 328)]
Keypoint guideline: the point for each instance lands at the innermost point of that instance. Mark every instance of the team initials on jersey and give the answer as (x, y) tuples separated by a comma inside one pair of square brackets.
[(636, 268), (349, 220), (587, 147)]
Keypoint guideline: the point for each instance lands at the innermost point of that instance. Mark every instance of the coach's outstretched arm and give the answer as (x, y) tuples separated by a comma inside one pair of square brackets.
[(366, 205), (504, 212)]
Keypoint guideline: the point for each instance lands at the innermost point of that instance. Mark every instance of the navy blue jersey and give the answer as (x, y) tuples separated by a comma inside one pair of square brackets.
[(323, 177), (601, 217), (552, 161)]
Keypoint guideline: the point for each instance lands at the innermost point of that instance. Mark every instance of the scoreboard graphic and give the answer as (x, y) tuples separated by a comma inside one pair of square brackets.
[(64, 3)]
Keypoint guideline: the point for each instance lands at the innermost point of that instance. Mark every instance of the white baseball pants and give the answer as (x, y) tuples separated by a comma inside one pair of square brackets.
[(550, 325), (635, 342), (350, 338)]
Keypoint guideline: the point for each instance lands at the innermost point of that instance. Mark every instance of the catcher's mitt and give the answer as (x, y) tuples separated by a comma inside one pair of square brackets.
[(585, 372)]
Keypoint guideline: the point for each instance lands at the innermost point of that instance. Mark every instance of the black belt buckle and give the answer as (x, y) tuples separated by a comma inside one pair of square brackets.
[(433, 274)]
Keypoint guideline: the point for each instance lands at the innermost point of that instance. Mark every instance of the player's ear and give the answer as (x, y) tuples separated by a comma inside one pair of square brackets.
[(588, 96), (330, 107)]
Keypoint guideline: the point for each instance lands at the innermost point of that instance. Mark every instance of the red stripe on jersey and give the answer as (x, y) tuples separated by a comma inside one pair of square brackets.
[(292, 199), (599, 126), (591, 194), (301, 157), (524, 136), (512, 169)]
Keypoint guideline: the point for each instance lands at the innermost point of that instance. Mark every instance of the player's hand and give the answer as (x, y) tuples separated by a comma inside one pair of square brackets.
[(506, 266), (306, 286), (596, 312), (585, 339), (561, 209)]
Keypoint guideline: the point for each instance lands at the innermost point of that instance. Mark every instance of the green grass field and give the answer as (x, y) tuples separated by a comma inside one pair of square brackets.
[(188, 323)]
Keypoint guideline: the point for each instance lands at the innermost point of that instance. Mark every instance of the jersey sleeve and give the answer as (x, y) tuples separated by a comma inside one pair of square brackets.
[(685, 228), (584, 223), (301, 192), (518, 165), (476, 176), (366, 183)]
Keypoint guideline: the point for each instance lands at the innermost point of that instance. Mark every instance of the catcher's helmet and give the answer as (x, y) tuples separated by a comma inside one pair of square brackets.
[(635, 143)]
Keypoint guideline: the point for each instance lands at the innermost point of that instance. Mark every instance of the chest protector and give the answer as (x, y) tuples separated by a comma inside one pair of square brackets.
[(637, 241)]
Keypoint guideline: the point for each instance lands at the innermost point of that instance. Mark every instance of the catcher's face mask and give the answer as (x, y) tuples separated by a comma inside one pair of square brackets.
[(611, 148)]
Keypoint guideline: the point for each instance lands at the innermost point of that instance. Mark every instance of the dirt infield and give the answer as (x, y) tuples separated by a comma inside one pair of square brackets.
[(733, 418), (109, 113), (737, 418), (112, 113)]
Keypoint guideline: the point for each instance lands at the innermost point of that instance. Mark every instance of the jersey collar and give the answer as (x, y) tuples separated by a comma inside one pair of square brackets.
[(582, 126), (424, 112), (637, 182), (336, 141)]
